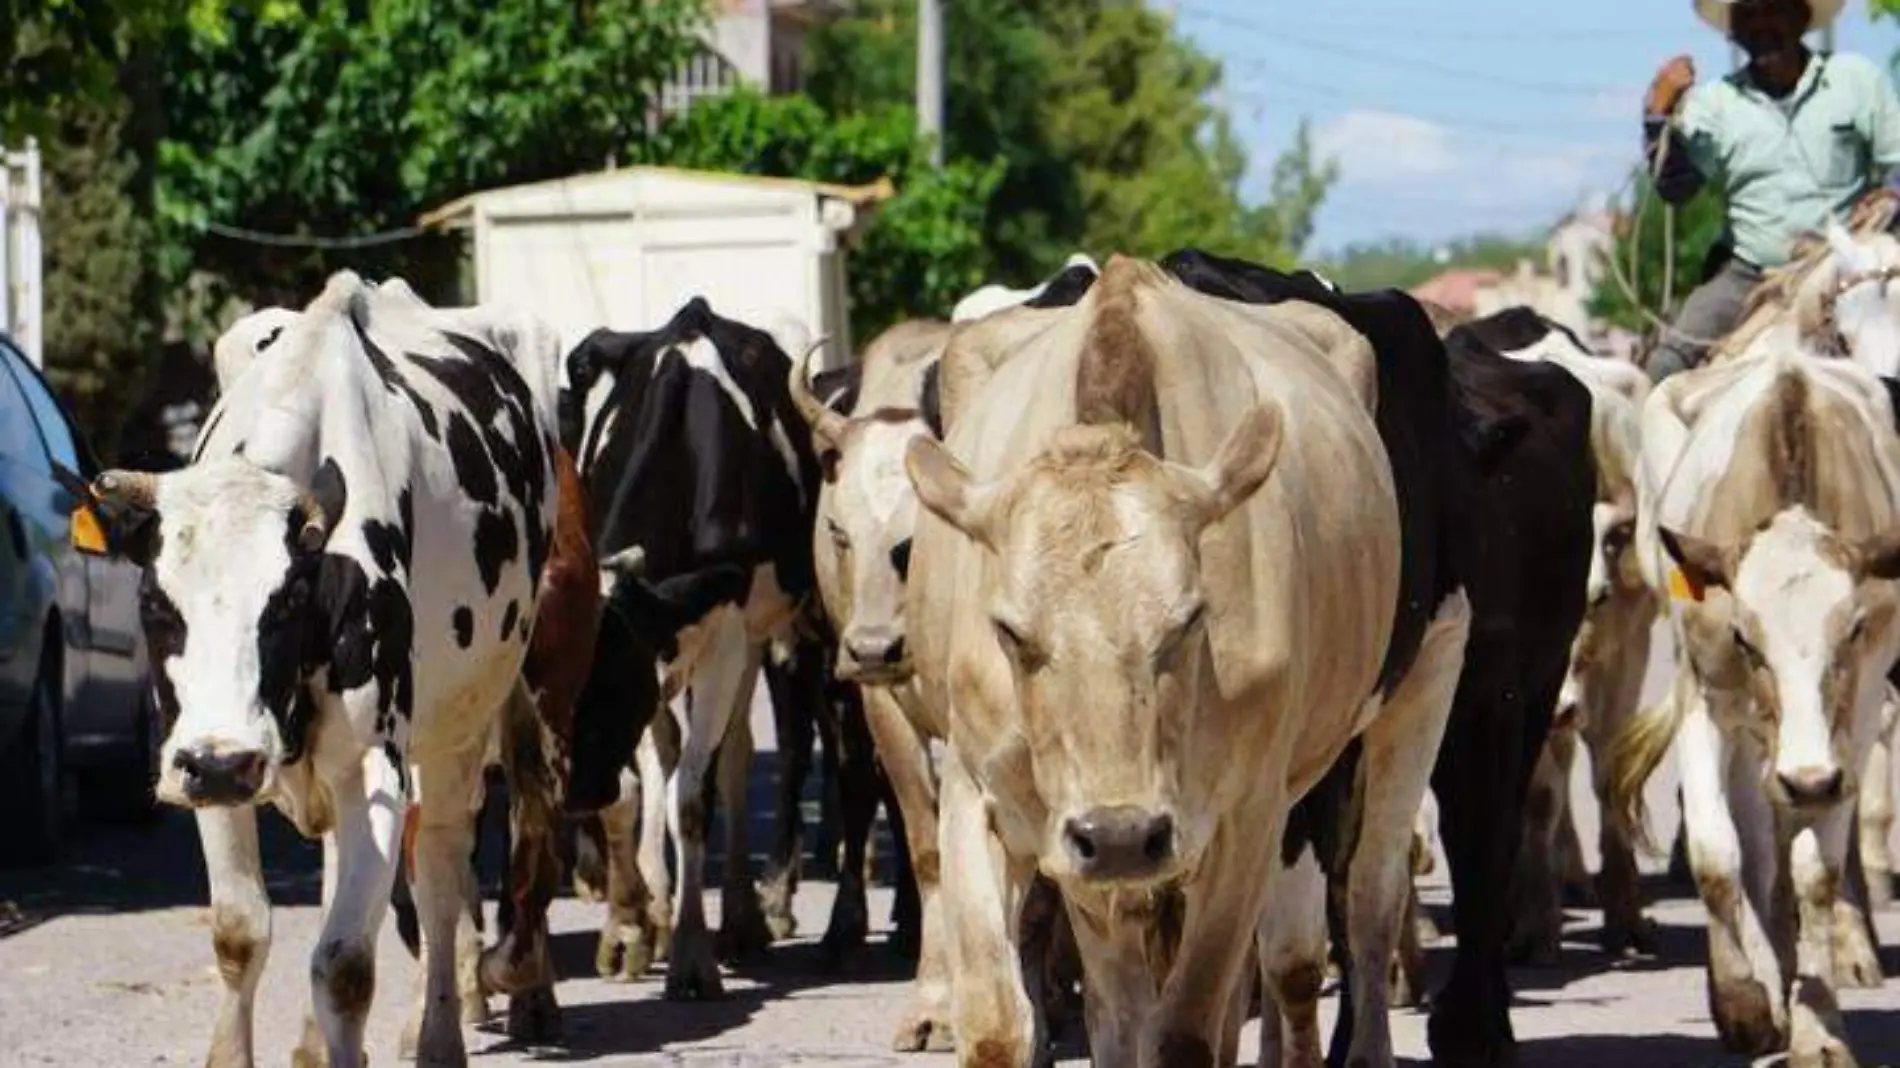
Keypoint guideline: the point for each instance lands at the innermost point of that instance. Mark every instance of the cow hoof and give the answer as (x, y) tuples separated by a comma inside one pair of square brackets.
[(1856, 961), (1405, 985), (1625, 940), (1428, 931), (500, 975), (845, 935), (1745, 1017), (534, 1016), (782, 924), (924, 1032), (743, 934), (693, 972), (304, 1058), (1831, 1054), (1540, 949)]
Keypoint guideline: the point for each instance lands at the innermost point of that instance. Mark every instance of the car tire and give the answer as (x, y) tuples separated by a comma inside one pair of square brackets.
[(38, 783), (123, 792)]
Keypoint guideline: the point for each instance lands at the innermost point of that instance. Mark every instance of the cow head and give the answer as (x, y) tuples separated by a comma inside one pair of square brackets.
[(231, 556), (1852, 302), (1809, 628), (865, 520), (1092, 586)]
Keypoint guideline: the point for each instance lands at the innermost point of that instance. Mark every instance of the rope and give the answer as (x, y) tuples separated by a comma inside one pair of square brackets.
[(255, 237), (1623, 281)]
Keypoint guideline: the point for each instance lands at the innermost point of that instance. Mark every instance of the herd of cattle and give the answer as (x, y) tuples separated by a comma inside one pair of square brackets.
[(1158, 601)]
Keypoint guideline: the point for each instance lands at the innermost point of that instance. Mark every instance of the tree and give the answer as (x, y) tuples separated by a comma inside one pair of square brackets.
[(62, 53), (1692, 228), (923, 250), (1402, 264), (101, 315), (339, 117)]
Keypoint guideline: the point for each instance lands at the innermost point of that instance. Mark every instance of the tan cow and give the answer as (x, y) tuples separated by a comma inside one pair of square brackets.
[(866, 516), (1150, 600), (1770, 509)]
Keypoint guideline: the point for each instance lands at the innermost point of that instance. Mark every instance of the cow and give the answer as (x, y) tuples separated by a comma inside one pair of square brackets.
[(1493, 469), (1607, 661), (1120, 599), (1059, 290), (339, 594), (558, 658), (1769, 516), (696, 415)]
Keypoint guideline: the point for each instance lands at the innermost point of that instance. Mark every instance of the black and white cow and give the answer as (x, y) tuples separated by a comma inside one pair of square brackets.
[(339, 593), (693, 452)]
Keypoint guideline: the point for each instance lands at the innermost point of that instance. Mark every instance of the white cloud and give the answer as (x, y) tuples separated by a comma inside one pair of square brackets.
[(1399, 147), (1403, 174)]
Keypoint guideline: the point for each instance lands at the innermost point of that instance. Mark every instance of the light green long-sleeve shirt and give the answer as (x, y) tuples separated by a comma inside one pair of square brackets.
[(1788, 164)]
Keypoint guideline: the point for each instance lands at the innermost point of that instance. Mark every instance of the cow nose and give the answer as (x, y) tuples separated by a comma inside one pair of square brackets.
[(875, 649), (1122, 842), (220, 778), (1813, 785)]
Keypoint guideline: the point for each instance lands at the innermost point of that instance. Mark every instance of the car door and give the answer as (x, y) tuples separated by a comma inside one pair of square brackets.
[(100, 594), (25, 581)]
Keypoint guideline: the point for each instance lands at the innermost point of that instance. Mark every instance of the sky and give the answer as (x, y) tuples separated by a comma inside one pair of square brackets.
[(1463, 116)]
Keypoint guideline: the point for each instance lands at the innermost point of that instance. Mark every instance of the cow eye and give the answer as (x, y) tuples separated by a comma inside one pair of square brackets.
[(1618, 536), (1177, 636), (1015, 645)]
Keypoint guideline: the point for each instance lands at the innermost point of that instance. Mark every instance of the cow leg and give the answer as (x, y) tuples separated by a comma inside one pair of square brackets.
[(793, 689), (628, 938), (905, 755), (1291, 939), (1396, 765), (907, 906), (1480, 780), (703, 714), (1537, 915), (1876, 811), (1817, 861), (310, 1051), (1718, 793), (858, 795), (519, 964), (983, 894), (743, 932), (656, 755), (240, 926), (368, 830), (1407, 976), (1618, 882)]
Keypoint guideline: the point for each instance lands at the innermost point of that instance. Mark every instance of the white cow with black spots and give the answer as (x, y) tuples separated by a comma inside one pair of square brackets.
[(385, 474)]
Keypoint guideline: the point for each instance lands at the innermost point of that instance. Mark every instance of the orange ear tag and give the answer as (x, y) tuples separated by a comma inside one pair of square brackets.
[(1682, 587)]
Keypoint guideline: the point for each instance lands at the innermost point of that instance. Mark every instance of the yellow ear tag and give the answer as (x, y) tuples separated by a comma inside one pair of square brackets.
[(1682, 588)]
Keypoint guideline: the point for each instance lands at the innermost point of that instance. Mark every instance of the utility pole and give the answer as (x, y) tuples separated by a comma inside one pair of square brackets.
[(930, 76)]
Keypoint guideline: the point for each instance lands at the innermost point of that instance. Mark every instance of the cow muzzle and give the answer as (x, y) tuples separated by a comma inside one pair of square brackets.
[(1120, 843), (203, 776), (874, 656), (1813, 788)]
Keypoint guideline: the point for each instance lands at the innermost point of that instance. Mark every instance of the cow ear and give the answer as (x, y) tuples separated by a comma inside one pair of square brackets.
[(127, 502), (1880, 556), (947, 489), (1702, 562), (1239, 468)]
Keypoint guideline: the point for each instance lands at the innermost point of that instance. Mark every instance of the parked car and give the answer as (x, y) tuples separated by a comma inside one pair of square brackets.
[(78, 722)]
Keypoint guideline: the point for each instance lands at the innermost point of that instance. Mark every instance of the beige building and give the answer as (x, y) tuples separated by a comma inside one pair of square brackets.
[(759, 43)]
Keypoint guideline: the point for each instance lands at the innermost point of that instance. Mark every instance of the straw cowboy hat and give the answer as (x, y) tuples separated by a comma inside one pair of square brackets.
[(1715, 12)]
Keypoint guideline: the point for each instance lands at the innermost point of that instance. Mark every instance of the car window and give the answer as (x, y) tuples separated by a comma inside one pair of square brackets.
[(19, 442), (54, 429)]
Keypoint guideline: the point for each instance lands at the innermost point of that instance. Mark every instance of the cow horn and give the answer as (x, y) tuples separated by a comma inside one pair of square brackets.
[(826, 425), (133, 490), (316, 525), (630, 562)]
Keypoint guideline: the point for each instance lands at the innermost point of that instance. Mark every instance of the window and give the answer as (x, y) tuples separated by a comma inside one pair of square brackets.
[(55, 429), (19, 444)]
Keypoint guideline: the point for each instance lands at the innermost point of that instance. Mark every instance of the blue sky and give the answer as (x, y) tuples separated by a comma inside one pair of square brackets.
[(1458, 117)]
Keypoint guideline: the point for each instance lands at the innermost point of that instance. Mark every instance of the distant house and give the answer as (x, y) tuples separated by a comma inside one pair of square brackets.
[(756, 43), (1457, 290)]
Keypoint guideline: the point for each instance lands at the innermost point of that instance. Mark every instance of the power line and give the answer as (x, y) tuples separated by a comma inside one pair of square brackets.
[(258, 237), (1408, 26), (1402, 62)]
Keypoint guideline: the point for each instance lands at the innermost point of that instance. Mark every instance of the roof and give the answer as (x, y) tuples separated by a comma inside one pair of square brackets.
[(457, 211), (1456, 289)]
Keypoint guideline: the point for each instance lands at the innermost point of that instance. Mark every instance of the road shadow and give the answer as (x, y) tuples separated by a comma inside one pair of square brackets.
[(118, 870)]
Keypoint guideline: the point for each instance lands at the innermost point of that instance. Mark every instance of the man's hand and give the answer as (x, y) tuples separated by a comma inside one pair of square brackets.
[(1665, 92)]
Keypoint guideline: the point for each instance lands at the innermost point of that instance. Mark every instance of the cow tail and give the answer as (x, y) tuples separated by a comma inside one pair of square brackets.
[(1635, 754)]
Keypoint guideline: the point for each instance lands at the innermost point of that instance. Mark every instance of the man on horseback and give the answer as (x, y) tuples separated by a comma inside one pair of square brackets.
[(1792, 138)]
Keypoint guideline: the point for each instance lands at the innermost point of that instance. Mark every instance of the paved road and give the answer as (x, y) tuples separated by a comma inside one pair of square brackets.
[(110, 965)]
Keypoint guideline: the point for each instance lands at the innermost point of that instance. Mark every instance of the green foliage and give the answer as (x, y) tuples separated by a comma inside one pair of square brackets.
[(63, 53), (101, 319), (1884, 9), (1401, 263), (923, 250), (340, 117), (1697, 226)]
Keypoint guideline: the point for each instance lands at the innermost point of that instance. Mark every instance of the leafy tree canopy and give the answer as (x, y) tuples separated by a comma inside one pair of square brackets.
[(1401, 263)]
